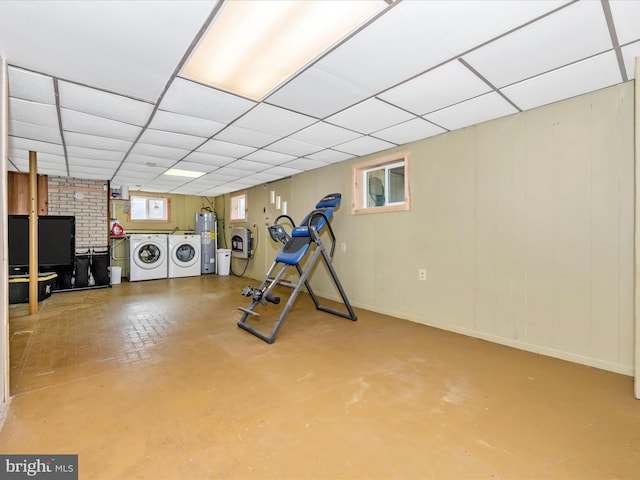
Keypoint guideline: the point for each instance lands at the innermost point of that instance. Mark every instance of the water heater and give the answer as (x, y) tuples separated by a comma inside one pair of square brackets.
[(207, 228)]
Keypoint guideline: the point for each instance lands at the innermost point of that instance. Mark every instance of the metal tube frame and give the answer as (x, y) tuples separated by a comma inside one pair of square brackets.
[(273, 281)]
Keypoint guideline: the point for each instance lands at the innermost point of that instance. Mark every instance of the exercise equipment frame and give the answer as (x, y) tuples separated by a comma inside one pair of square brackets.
[(291, 254)]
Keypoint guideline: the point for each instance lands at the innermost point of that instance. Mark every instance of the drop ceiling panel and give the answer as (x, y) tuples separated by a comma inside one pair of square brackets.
[(94, 154), (318, 94), (267, 156), (436, 89), (34, 132), (44, 168), (209, 159), (97, 142), (51, 159), (79, 122), (31, 86), (471, 112), (103, 104), (170, 139), (195, 167), (250, 166), (159, 151), (282, 172), (305, 164), (226, 149), (190, 98), (276, 121), (230, 172), (93, 172), (215, 191), (582, 77), (324, 135), (263, 177), (293, 147), (149, 161), (210, 180), (36, 146), (33, 112), (410, 131), (330, 156), (574, 33), (245, 136), (139, 175), (95, 41), (175, 122), (369, 116), (364, 146), (188, 189), (629, 54), (462, 24), (398, 42), (626, 17)]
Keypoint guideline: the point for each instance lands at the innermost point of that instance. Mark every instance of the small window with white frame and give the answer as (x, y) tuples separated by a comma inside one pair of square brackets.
[(382, 184), (149, 209), (239, 207)]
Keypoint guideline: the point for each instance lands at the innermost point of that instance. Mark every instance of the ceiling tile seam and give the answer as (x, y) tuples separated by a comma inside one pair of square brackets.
[(56, 92), (13, 164), (491, 85), (372, 135), (606, 9), (415, 115), (172, 78)]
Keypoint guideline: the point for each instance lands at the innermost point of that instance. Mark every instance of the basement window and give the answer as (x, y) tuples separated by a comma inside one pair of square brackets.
[(239, 207), (149, 209), (382, 185)]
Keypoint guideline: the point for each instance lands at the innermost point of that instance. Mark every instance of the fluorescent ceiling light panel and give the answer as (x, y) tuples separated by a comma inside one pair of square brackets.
[(183, 173), (252, 47)]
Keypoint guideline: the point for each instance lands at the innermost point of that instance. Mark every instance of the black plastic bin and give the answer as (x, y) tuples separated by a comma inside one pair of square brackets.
[(19, 287)]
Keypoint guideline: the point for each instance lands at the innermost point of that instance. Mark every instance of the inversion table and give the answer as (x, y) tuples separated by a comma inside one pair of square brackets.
[(303, 241)]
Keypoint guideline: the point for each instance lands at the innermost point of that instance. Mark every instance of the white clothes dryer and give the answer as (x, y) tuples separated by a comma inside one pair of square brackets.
[(184, 255), (147, 256)]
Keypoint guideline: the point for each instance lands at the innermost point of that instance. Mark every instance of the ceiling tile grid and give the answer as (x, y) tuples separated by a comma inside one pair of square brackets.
[(114, 106)]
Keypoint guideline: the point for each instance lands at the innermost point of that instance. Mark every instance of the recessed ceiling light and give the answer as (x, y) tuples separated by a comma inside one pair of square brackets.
[(183, 173), (254, 46)]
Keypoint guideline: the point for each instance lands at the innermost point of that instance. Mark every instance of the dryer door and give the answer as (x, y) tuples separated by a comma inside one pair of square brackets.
[(148, 255), (185, 254)]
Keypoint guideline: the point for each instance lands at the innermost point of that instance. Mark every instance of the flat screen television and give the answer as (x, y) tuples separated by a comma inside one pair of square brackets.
[(56, 241)]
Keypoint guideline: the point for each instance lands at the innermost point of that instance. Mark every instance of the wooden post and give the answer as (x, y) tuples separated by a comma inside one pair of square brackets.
[(33, 233)]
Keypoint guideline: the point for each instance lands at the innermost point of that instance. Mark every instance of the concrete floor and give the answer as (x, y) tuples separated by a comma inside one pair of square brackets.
[(153, 380)]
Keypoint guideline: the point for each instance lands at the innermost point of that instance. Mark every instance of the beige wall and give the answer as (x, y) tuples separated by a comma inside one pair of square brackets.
[(524, 225), (183, 210)]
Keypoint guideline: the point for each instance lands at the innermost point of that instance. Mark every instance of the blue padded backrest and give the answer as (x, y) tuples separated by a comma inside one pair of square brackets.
[(326, 206), (330, 201)]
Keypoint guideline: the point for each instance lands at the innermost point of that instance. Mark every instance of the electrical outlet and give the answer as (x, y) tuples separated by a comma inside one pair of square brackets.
[(422, 274), (343, 247)]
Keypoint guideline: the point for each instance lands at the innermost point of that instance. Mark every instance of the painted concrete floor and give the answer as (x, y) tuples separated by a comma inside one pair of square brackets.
[(153, 380)]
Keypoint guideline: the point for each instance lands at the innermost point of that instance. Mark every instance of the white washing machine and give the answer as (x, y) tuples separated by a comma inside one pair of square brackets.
[(184, 255), (147, 256)]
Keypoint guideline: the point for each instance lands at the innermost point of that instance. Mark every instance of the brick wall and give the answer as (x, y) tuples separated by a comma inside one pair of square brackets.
[(87, 201)]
